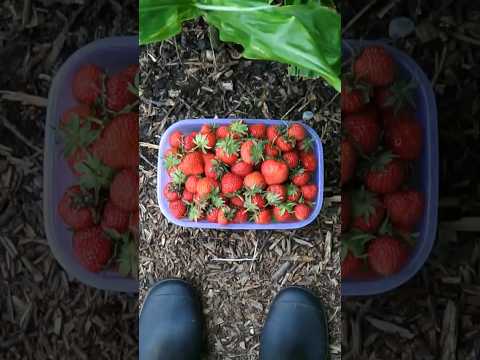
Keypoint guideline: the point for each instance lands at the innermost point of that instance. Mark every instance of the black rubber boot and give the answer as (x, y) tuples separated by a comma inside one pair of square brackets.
[(171, 323), (296, 328)]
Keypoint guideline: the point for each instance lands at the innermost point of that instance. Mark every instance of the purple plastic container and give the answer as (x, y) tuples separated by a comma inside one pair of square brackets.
[(426, 168), (186, 126), (111, 54)]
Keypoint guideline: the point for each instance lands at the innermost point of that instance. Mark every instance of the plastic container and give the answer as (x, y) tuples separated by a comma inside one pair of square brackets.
[(187, 126), (426, 181), (112, 54)]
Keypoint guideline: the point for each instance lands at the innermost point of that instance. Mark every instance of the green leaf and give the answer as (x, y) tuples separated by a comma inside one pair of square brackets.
[(94, 175)]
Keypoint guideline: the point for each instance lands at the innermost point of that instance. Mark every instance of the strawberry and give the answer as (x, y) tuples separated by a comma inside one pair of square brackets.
[(252, 152), (187, 196), (305, 146), (214, 168), (385, 175), (351, 266), (309, 161), (241, 216), (177, 208), (176, 139), (346, 211), (119, 92), (405, 208), (301, 211), (405, 138), (258, 131), (133, 221), (296, 131), (254, 179), (171, 192), (353, 98), (264, 216), (368, 211), (293, 193), (82, 111), (276, 194), (75, 208), (300, 177), (117, 146), (285, 143), (309, 192), (375, 66), (237, 201), (271, 151), (274, 171), (191, 183), (283, 212), (76, 158), (225, 215), (124, 190), (396, 97), (204, 141), (363, 130), (242, 168), (231, 183), (205, 186), (222, 132), (131, 72), (387, 255), (258, 200), (92, 248), (212, 215), (114, 218), (238, 129), (189, 141), (206, 129), (87, 84), (227, 149), (192, 164), (273, 132), (291, 158), (348, 162)]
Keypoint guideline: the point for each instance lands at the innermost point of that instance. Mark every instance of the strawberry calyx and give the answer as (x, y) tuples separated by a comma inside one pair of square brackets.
[(355, 242), (125, 251), (292, 190), (215, 198), (94, 175), (286, 207), (402, 95), (171, 160), (364, 203), (380, 162), (273, 198), (229, 145), (239, 128), (201, 142), (257, 151), (77, 134)]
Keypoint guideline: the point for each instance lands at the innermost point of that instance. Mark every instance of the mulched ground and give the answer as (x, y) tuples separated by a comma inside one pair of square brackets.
[(437, 314), (44, 313), (238, 273)]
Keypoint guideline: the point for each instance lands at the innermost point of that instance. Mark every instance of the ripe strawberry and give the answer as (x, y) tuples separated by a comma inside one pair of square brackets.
[(192, 164), (375, 65), (390, 116), (191, 183), (131, 71), (119, 93), (301, 177), (405, 208), (124, 190), (387, 255), (225, 215), (258, 200), (176, 139), (206, 128), (283, 212), (214, 168), (285, 143), (351, 266), (80, 110), (258, 131), (204, 142), (187, 196), (87, 84), (205, 186), (241, 216), (309, 161), (274, 171), (74, 209), (252, 152), (386, 175), (405, 138), (305, 146), (367, 210), (309, 192), (353, 99), (291, 158), (293, 193), (348, 162), (117, 146), (242, 168), (92, 248), (177, 208), (346, 211), (237, 201), (296, 131), (171, 192), (301, 211), (273, 132), (271, 151), (212, 215), (264, 216), (189, 142), (114, 218), (222, 132), (276, 194), (227, 149), (254, 179), (396, 97), (364, 131), (231, 183)]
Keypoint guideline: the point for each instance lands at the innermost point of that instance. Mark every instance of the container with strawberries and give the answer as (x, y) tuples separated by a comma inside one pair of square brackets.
[(387, 168), (240, 174)]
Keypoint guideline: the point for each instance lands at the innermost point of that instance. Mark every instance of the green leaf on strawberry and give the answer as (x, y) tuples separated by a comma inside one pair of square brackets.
[(171, 160), (94, 175), (229, 145), (77, 134), (355, 242), (239, 128)]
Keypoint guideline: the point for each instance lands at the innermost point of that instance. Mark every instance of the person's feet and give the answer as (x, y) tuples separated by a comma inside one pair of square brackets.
[(296, 328), (171, 323)]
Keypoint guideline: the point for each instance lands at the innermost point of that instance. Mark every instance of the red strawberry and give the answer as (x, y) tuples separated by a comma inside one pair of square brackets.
[(390, 116), (396, 97), (293, 193), (205, 129), (301, 177), (375, 65), (386, 175), (346, 211), (119, 93), (351, 266), (352, 99), (302, 211), (117, 146), (242, 168), (92, 248), (252, 152), (131, 71), (231, 183), (237, 201), (274, 171), (282, 213), (309, 161), (74, 209), (222, 132), (176, 139), (204, 141), (124, 190), (405, 138), (367, 210), (171, 192), (291, 158), (387, 255), (276, 194), (255, 179), (296, 131), (187, 195), (214, 168), (263, 217), (241, 216), (258, 131), (212, 215), (205, 186), (285, 144), (364, 131), (305, 146), (271, 151), (191, 183), (189, 142), (273, 132), (309, 192), (405, 208), (87, 84), (227, 149), (115, 218), (225, 215), (258, 200), (81, 110), (192, 164), (348, 162), (177, 208)]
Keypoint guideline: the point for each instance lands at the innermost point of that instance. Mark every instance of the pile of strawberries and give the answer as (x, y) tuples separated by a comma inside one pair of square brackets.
[(100, 138), (382, 139), (241, 173)]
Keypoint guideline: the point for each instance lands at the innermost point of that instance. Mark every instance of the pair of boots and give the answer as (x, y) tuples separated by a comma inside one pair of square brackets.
[(171, 325)]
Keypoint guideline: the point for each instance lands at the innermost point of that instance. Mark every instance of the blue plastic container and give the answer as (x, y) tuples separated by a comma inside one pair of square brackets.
[(426, 181), (187, 126), (111, 54)]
